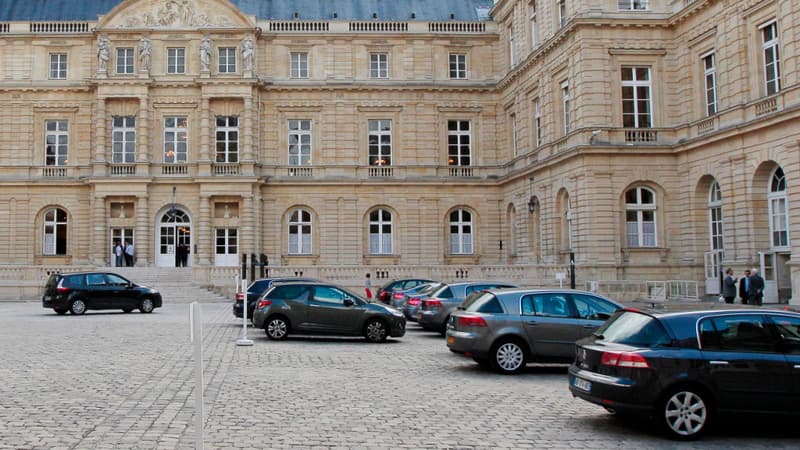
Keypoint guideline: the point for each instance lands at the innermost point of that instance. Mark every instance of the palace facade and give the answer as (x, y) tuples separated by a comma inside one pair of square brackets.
[(652, 140)]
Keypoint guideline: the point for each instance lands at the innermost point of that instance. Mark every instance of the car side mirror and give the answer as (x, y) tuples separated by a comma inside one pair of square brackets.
[(130, 284), (349, 302)]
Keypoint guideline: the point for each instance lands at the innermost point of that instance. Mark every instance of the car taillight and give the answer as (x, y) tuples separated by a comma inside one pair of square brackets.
[(239, 296), (263, 303), (624, 359), (431, 304), (398, 296), (62, 290), (413, 301), (471, 321)]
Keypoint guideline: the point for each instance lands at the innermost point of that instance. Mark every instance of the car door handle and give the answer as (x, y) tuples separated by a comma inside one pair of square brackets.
[(530, 322), (718, 363), (797, 366), (589, 327)]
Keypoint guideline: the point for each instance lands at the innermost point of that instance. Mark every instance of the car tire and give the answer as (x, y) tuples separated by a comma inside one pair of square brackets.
[(684, 413), (443, 328), (146, 307), (375, 330), (277, 328), (508, 356), (77, 307), (127, 310), (60, 312)]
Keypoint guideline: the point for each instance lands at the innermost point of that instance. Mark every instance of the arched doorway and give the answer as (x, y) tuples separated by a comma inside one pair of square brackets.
[(174, 239)]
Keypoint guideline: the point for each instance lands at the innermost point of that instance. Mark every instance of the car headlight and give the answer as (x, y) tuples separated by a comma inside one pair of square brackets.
[(397, 313)]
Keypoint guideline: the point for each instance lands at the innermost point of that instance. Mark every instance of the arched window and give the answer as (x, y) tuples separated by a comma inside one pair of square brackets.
[(55, 232), (778, 219), (300, 232), (461, 232), (715, 216), (380, 232), (640, 217)]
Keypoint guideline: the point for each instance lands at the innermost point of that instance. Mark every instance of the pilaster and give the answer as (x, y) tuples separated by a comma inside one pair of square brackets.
[(144, 232), (99, 159), (204, 156), (99, 250), (204, 235)]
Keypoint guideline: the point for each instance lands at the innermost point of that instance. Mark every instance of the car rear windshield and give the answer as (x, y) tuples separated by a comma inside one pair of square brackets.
[(485, 302), (444, 291), (635, 329)]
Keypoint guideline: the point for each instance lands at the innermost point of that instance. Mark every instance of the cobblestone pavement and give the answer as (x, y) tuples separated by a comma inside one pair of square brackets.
[(113, 380)]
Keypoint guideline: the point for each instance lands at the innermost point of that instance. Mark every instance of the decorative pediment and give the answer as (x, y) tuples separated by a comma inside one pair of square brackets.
[(175, 14)]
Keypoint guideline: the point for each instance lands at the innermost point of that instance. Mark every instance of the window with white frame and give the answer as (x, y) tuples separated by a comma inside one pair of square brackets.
[(514, 148), (56, 142), (778, 217), (566, 99), (533, 25), (176, 60), (562, 12), (632, 5), (710, 77), (125, 58), (380, 232), (58, 66), (537, 121), (512, 52), (640, 217), (458, 66), (299, 142), (227, 59), (636, 97), (300, 232), (459, 143), (227, 139), (227, 241), (715, 217), (380, 142), (54, 239), (772, 66), (299, 64), (379, 65), (461, 232), (176, 139), (123, 139)]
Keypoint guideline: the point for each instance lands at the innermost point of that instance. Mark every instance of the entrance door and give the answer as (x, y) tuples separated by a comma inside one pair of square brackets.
[(712, 272), (120, 235), (770, 280), (226, 248), (174, 231)]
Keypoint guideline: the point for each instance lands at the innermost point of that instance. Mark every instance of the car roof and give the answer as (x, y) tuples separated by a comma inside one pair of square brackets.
[(467, 283), (719, 312)]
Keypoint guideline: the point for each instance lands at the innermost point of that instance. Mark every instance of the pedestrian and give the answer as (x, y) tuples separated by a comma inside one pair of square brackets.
[(180, 256), (128, 254), (368, 287), (744, 286), (729, 286), (756, 291), (117, 254)]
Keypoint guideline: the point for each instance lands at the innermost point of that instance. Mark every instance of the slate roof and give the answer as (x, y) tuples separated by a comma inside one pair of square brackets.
[(424, 10)]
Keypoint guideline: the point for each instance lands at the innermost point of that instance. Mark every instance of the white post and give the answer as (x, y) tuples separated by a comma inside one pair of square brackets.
[(196, 321), (244, 341)]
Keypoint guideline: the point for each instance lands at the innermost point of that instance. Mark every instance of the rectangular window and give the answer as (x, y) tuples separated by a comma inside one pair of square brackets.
[(299, 142), (227, 241), (710, 76), (772, 67), (459, 143), (534, 26), (562, 13), (565, 98), (632, 5), (380, 142), (176, 60), (227, 139), (58, 66), (512, 55), (299, 64), (458, 66), (779, 222), (227, 60), (537, 119), (56, 142), (379, 65), (176, 139), (123, 139), (125, 60), (636, 107)]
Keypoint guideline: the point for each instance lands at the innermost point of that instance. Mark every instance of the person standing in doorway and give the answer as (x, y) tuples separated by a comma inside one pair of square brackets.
[(117, 254), (756, 290), (729, 286), (180, 256), (368, 287), (744, 286), (128, 254)]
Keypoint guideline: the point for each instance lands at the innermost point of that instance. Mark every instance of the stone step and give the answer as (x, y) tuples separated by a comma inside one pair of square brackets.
[(174, 284)]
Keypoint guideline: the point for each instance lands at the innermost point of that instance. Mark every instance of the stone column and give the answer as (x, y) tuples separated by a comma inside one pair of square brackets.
[(100, 137), (144, 233), (100, 250), (204, 158), (143, 131), (247, 136), (204, 235), (246, 215)]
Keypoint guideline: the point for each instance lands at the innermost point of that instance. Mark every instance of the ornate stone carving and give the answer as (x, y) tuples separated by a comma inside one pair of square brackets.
[(174, 14)]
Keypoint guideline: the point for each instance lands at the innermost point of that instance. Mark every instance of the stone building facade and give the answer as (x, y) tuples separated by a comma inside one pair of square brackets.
[(652, 140)]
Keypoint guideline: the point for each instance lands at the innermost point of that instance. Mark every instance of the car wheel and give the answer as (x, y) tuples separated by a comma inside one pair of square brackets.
[(276, 328), (77, 307), (443, 328), (147, 306), (375, 331), (127, 310), (685, 413), (508, 357), (60, 312)]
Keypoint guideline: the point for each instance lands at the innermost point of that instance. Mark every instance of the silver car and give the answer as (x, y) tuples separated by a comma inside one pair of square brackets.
[(412, 301), (434, 311), (506, 329)]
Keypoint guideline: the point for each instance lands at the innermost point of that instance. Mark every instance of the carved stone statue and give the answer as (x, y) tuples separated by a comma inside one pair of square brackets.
[(205, 54), (102, 53), (248, 53), (145, 48)]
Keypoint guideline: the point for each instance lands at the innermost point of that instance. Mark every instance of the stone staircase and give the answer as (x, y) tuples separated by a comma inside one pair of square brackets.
[(175, 284)]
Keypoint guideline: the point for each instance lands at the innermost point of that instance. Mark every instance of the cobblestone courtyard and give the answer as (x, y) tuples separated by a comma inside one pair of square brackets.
[(114, 380)]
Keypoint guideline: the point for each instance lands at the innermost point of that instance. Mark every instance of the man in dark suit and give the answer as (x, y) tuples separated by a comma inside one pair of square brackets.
[(756, 291), (744, 286)]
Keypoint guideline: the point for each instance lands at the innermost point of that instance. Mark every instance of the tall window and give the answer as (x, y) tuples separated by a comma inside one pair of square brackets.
[(636, 108), (123, 139), (227, 136), (715, 217), (512, 54), (300, 232), (534, 25), (640, 217), (460, 232), (459, 143), (380, 142), (299, 142), (778, 217), (772, 67), (379, 65), (380, 232), (125, 60), (537, 121), (710, 73), (566, 104), (562, 13), (299, 65), (176, 139), (227, 241), (458, 66), (54, 240), (227, 59), (58, 66), (56, 142), (633, 5), (176, 60)]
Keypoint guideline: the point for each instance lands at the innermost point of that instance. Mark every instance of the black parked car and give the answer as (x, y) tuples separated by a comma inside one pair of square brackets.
[(685, 368), (256, 290), (78, 292)]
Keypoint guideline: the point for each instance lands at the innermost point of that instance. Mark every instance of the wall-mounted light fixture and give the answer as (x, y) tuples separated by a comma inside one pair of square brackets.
[(531, 201)]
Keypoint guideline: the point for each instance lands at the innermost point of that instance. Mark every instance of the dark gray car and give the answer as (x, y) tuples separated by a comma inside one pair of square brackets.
[(322, 308), (412, 302), (434, 311), (506, 329)]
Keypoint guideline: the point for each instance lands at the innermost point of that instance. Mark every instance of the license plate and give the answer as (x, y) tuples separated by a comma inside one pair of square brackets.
[(582, 384), (47, 298), (451, 340)]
